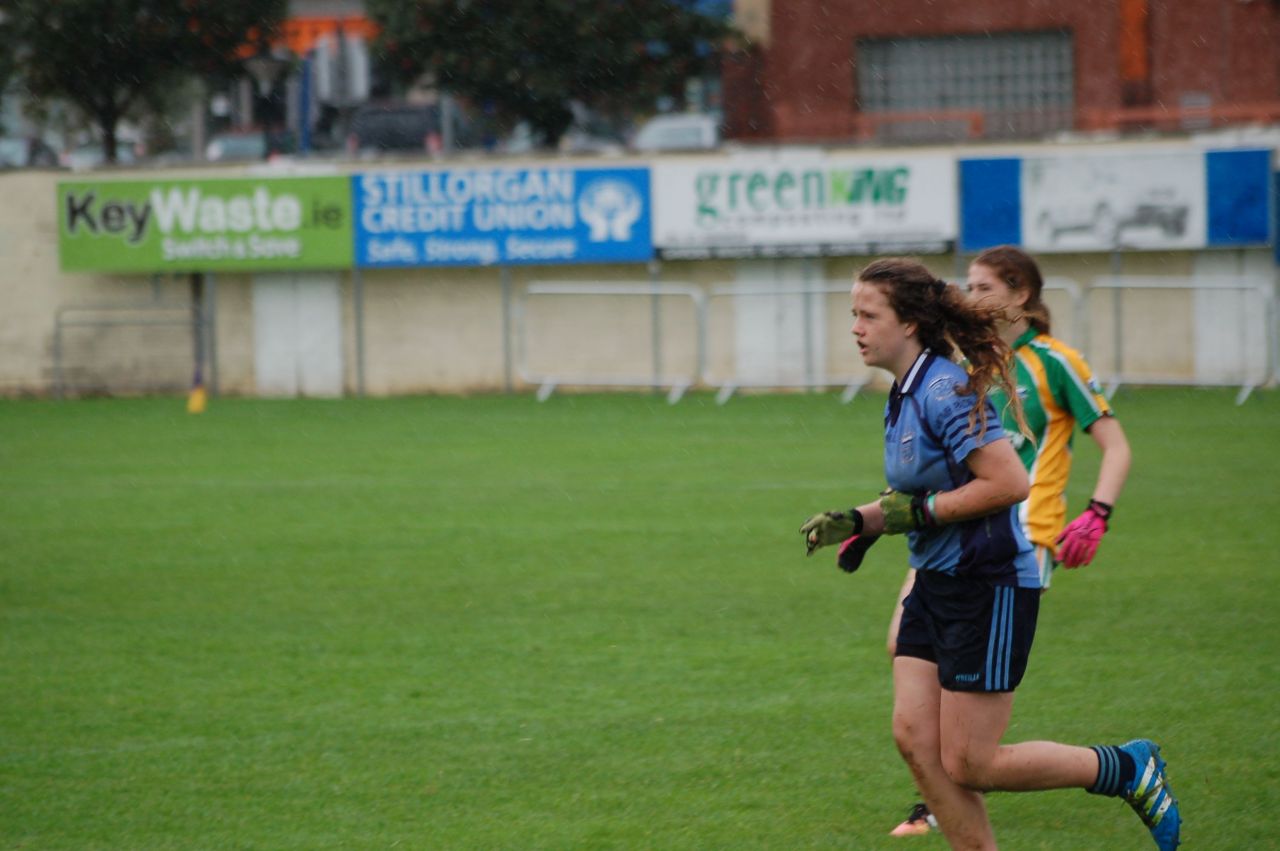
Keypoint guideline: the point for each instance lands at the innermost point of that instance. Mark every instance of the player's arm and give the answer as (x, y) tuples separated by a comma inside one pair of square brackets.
[(1078, 543), (999, 481), (1113, 470)]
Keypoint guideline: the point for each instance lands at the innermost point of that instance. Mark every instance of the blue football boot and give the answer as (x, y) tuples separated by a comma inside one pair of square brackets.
[(1150, 796)]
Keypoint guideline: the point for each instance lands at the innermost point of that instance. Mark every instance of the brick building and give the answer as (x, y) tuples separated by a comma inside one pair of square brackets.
[(928, 70)]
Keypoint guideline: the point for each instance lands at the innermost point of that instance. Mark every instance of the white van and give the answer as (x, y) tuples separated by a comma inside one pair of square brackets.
[(678, 131)]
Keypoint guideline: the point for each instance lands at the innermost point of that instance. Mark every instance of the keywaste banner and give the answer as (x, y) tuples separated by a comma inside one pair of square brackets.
[(502, 216), (240, 224), (805, 202)]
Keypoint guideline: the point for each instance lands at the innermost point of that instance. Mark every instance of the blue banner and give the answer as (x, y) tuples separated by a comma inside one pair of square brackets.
[(502, 216), (990, 203), (1238, 193)]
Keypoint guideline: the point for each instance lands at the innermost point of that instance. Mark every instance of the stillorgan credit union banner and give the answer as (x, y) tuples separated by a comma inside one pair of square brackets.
[(501, 215), (237, 224), (804, 202)]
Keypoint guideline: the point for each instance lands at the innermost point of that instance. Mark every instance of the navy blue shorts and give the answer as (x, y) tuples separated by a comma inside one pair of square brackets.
[(978, 634)]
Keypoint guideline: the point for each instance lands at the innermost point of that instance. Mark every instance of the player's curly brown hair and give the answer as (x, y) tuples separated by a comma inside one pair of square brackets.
[(946, 321)]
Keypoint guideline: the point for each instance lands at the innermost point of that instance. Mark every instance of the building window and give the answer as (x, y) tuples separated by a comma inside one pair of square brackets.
[(1021, 83)]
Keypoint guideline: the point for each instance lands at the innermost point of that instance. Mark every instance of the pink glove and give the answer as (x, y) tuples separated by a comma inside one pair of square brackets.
[(1078, 543)]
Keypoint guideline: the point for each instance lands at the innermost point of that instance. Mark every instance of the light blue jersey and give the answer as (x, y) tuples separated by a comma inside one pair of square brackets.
[(926, 440)]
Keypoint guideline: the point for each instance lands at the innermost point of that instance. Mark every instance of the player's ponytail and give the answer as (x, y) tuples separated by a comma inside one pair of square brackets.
[(974, 331), (947, 321)]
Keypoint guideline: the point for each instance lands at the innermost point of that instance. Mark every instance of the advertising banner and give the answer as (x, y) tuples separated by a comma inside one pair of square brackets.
[(805, 203), (240, 224), (1151, 199), (488, 216)]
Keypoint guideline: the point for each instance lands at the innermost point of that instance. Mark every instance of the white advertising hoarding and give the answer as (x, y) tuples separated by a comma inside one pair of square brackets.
[(1148, 199), (804, 203)]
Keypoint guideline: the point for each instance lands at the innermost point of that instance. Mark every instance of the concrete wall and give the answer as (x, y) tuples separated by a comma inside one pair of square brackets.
[(442, 330), (33, 291)]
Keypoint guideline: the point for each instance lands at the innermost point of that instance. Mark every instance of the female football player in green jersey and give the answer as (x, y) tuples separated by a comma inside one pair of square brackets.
[(1058, 393)]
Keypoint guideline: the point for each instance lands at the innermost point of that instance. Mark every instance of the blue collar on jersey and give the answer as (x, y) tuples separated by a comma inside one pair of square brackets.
[(912, 381)]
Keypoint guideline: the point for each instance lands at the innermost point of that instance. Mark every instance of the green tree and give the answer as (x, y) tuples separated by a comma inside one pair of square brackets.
[(7, 62), (530, 60), (110, 56)]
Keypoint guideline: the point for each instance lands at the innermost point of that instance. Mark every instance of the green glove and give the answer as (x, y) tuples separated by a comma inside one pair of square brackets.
[(830, 527), (904, 512)]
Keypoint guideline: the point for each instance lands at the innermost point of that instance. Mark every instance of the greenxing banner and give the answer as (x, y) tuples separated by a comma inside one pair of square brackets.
[(239, 224)]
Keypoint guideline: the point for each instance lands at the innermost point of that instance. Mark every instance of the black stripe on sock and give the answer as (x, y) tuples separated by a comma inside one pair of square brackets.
[(1116, 770), (1108, 782)]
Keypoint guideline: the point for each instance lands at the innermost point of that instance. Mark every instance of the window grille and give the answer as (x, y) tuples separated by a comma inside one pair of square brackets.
[(1023, 83)]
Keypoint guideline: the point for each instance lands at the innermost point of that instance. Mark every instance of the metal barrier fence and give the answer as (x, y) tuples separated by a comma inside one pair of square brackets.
[(1229, 347), (169, 362), (1078, 312), (814, 352), (1058, 290), (653, 292)]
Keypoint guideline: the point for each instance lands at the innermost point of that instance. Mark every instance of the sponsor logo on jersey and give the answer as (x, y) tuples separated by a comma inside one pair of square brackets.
[(907, 447)]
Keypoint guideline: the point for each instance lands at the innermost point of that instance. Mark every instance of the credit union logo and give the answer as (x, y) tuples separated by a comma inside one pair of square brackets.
[(609, 208)]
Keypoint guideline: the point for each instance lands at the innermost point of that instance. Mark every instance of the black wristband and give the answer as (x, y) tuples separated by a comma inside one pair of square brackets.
[(1101, 508), (856, 516)]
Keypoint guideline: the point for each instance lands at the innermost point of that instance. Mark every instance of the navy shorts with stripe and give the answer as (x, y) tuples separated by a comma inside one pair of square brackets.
[(978, 634)]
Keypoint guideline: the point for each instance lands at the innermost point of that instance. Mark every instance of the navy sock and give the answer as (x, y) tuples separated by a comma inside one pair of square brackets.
[(1115, 771)]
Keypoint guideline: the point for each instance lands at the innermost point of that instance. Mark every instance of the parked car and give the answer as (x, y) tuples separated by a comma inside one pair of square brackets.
[(684, 131), (390, 127), (26, 152), (589, 132), (236, 147), (592, 139), (576, 140), (92, 154), (248, 145)]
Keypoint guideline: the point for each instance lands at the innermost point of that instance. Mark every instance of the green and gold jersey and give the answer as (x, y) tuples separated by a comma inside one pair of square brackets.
[(1058, 392)]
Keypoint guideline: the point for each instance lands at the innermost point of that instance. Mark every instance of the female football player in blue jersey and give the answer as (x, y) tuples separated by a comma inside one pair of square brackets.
[(1058, 394), (955, 482)]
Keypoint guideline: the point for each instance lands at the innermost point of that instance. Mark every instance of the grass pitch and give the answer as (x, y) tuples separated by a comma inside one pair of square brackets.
[(491, 623)]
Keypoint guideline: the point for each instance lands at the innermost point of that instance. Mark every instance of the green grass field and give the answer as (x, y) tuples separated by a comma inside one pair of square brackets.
[(441, 623)]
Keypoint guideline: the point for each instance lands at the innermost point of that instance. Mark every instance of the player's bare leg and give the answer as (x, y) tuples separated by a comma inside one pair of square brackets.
[(972, 724), (919, 820), (917, 702)]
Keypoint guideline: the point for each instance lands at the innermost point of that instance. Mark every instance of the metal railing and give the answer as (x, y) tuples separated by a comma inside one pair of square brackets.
[(814, 377), (1173, 118), (1248, 378), (958, 124), (677, 384), (924, 124), (1075, 297), (1252, 329), (196, 316)]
